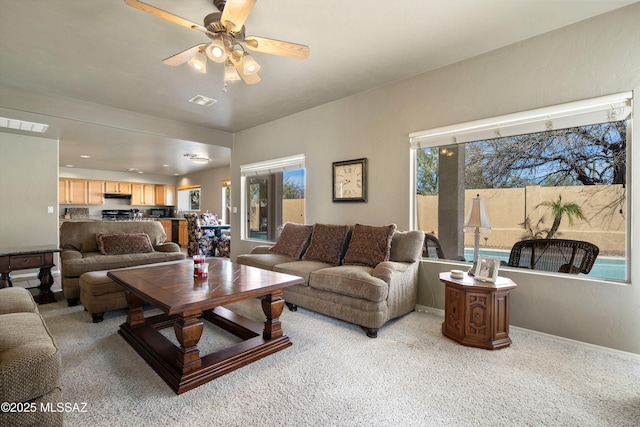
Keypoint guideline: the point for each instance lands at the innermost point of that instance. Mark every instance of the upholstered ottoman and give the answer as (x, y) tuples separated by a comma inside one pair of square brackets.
[(30, 363), (98, 294)]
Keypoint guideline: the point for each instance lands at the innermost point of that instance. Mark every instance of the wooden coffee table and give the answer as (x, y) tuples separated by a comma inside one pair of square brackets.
[(185, 301)]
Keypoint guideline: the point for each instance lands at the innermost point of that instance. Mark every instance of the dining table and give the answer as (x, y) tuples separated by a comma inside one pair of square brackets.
[(217, 228)]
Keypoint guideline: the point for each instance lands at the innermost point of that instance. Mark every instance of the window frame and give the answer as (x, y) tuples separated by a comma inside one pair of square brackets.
[(267, 168), (602, 109)]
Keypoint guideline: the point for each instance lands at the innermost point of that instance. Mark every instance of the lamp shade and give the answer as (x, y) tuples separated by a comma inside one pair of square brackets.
[(249, 65), (477, 217), (216, 51), (230, 73), (199, 62)]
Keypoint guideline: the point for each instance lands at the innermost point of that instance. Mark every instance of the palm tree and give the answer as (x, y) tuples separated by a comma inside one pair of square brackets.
[(558, 210)]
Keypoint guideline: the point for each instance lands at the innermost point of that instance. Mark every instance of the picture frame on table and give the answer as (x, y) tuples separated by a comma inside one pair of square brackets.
[(487, 269)]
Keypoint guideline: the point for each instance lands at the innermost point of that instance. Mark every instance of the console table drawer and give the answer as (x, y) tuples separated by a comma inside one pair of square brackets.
[(26, 261)]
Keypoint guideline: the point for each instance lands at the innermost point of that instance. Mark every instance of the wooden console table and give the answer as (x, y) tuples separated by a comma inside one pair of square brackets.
[(27, 258), (476, 313)]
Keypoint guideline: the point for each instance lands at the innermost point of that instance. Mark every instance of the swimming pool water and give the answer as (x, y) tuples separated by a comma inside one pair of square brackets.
[(604, 267)]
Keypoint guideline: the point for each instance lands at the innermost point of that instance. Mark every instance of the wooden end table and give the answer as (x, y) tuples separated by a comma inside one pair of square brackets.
[(185, 301), (476, 313), (27, 258)]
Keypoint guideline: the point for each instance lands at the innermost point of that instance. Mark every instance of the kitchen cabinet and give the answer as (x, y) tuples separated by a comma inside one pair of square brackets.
[(72, 191), (117, 187), (165, 195), (95, 192), (183, 236), (143, 194), (80, 192)]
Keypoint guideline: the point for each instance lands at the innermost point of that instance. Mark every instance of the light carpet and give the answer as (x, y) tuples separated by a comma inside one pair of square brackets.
[(333, 375)]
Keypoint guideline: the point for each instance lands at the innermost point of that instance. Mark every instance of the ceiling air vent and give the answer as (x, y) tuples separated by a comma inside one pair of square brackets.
[(203, 100)]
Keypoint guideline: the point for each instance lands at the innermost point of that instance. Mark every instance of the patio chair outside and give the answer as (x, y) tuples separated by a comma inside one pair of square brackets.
[(557, 255)]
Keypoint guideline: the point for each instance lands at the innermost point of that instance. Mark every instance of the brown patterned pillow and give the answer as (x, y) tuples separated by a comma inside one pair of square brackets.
[(326, 244), (292, 240), (369, 245), (124, 243)]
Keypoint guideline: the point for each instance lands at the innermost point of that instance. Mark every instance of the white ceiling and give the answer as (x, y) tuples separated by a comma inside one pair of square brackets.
[(93, 70)]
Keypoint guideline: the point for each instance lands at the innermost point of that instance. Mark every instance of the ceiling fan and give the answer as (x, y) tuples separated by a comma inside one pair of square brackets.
[(228, 41)]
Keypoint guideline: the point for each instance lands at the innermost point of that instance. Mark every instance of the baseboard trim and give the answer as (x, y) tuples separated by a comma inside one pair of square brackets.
[(626, 354)]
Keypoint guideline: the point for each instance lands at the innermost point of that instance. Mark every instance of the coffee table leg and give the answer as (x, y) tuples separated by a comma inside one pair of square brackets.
[(188, 331), (272, 306), (136, 315)]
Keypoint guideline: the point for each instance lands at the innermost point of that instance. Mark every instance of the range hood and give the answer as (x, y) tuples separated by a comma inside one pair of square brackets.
[(117, 196)]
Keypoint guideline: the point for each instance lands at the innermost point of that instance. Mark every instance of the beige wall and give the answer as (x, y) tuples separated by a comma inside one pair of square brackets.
[(210, 182), (28, 186), (508, 207), (596, 57)]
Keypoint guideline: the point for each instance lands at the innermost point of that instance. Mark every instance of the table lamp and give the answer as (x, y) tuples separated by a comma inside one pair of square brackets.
[(476, 222)]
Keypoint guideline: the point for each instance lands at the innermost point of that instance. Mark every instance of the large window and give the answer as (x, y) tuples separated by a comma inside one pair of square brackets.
[(558, 172), (274, 194)]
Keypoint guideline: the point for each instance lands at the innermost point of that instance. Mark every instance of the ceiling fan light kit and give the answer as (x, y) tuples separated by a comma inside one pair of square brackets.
[(227, 32)]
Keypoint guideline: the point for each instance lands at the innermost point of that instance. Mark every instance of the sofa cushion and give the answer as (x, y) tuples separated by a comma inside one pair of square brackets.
[(300, 268), (406, 246), (327, 242), (97, 283), (124, 243), (351, 280), (93, 261), (262, 260), (369, 245), (293, 240), (29, 359), (16, 300)]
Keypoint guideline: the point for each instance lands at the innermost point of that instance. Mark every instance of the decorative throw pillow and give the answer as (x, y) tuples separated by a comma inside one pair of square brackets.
[(326, 244), (124, 243), (292, 240), (369, 245)]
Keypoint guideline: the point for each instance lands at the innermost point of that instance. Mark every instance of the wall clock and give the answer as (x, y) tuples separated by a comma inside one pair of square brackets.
[(350, 181)]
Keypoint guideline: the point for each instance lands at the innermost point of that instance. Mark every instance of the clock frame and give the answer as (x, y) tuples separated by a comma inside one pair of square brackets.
[(350, 181)]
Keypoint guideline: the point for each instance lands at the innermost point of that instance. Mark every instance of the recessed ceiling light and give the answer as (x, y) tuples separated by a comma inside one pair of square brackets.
[(22, 125), (166, 166), (140, 172), (69, 166), (84, 156), (203, 100)]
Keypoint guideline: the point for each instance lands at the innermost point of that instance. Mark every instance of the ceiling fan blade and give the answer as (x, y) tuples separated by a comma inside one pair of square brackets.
[(248, 79), (184, 56), (235, 12), (277, 47), (166, 15)]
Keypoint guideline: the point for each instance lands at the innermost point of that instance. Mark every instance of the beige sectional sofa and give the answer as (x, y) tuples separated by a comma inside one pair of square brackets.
[(30, 364), (361, 274), (123, 244)]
